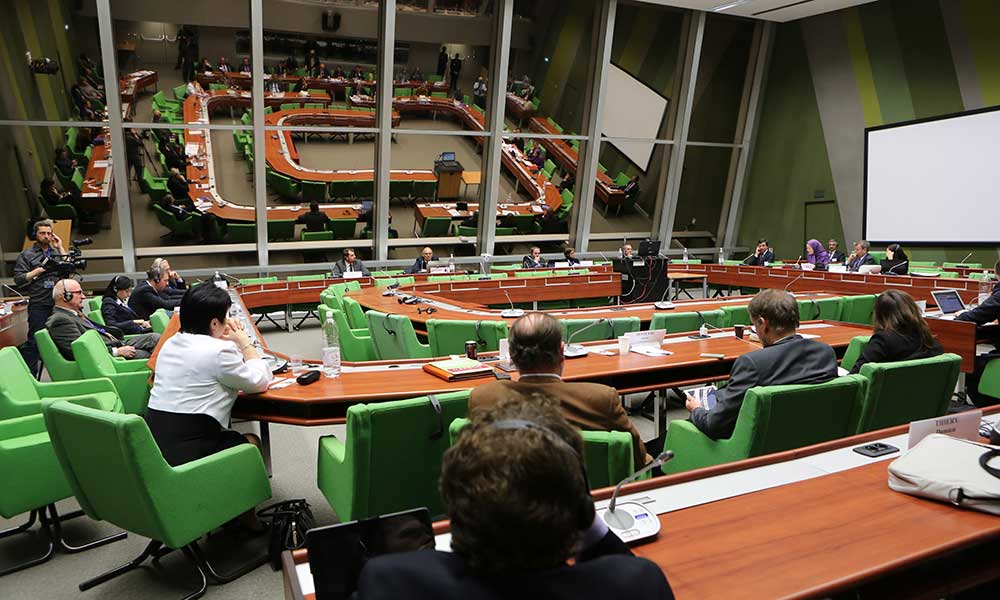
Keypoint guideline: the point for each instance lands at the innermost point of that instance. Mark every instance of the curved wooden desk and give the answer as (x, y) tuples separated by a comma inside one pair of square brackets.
[(563, 154), (245, 82)]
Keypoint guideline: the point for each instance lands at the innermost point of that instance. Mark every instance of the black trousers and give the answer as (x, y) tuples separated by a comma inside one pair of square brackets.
[(38, 314), (184, 437)]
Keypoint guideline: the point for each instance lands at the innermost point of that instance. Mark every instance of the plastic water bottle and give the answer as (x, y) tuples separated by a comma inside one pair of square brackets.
[(985, 287), (451, 263), (685, 256), (331, 348), (722, 256)]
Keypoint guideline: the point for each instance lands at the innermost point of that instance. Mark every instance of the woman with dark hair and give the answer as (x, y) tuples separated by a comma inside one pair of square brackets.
[(898, 261), (816, 254), (900, 332), (116, 311), (570, 255), (199, 372)]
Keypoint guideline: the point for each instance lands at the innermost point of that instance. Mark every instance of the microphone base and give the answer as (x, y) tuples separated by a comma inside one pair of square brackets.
[(663, 305), (632, 522), (512, 313), (698, 336), (574, 351)]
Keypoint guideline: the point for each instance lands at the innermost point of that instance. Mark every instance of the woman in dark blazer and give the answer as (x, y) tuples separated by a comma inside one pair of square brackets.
[(115, 308), (900, 332)]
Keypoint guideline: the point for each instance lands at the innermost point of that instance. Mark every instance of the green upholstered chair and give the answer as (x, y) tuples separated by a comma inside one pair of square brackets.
[(435, 227), (548, 168), (533, 273), (819, 309), (734, 315), (313, 191), (180, 92), (159, 320), (612, 329), (57, 211), (394, 338), (857, 309), (178, 228), (59, 368), (989, 383), (771, 420), (258, 280), (909, 390), (286, 187), (923, 263), (280, 229), (354, 312), (363, 475), (130, 377), (241, 233), (28, 465), (457, 229), (971, 265), (607, 454), (316, 236), (400, 188), (878, 255), (853, 351), (96, 316), (343, 229), (448, 337), (118, 474), (679, 322), (355, 344), (425, 190)]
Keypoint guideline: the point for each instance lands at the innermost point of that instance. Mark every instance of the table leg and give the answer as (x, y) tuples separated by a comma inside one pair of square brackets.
[(288, 318), (704, 288), (657, 398), (265, 446)]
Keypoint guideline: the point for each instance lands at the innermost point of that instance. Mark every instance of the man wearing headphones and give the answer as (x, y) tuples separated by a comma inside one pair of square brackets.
[(150, 295), (350, 263), (520, 453), (68, 322), (34, 277), (176, 286)]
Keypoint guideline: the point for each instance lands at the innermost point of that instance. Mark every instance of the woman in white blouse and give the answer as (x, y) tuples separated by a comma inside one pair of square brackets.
[(199, 372)]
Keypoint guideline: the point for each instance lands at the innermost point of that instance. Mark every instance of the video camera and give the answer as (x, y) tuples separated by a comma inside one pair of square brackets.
[(66, 264)]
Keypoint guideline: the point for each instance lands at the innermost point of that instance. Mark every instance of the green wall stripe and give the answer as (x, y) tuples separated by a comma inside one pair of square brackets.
[(862, 67), (982, 22), (624, 21), (886, 62), (926, 54), (640, 44), (658, 68), (34, 44), (60, 17)]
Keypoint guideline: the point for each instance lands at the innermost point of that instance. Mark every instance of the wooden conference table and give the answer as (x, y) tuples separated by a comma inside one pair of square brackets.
[(333, 86), (14, 324), (824, 523), (564, 155)]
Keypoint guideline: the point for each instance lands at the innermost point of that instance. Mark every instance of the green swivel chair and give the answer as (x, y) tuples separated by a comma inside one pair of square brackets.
[(130, 378), (354, 312), (364, 475), (119, 475), (772, 419), (394, 338), (448, 337), (680, 322), (858, 309), (853, 351), (34, 481), (820, 309), (609, 330), (905, 391), (159, 320), (355, 344), (734, 315), (59, 368)]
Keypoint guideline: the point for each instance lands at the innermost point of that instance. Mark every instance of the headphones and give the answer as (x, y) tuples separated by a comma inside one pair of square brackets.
[(67, 295), (121, 282), (391, 332), (154, 274), (479, 337), (427, 311)]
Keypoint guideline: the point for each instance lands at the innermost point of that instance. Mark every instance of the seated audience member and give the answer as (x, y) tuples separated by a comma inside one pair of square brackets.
[(816, 255), (199, 372), (786, 358), (471, 221), (315, 219), (762, 255), (224, 65), (570, 256), (274, 86), (338, 72), (568, 182), (64, 163), (631, 189), (173, 154), (522, 454), (357, 73), (87, 112), (116, 311), (417, 75), (536, 347), (53, 196), (537, 156), (149, 296), (350, 263), (194, 88), (901, 333), (836, 256), (173, 207), (68, 322), (84, 138), (245, 66), (178, 185), (533, 260), (987, 312), (627, 251), (898, 262), (205, 66), (420, 265), (176, 286), (321, 72), (860, 256)]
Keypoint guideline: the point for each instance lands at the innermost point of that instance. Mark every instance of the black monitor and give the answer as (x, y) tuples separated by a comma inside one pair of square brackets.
[(649, 248), (447, 156)]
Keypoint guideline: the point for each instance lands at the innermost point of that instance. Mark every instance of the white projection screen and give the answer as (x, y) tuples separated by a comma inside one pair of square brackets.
[(641, 118), (934, 181)]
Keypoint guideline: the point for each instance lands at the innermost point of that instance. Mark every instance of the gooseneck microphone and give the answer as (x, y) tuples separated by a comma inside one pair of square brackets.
[(965, 258), (664, 456), (511, 312), (572, 350), (893, 267), (631, 521), (22, 299), (789, 284)]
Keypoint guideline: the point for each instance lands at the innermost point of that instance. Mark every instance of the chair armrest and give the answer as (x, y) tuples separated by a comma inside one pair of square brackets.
[(208, 492), (133, 389), (361, 334), (693, 448), (62, 389), (132, 365), (335, 477), (22, 426)]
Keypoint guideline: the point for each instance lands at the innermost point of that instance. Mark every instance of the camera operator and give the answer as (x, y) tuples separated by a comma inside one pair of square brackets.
[(36, 273)]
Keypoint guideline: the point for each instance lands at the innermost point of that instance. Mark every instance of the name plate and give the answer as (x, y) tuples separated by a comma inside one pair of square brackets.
[(653, 337), (353, 275), (963, 425)]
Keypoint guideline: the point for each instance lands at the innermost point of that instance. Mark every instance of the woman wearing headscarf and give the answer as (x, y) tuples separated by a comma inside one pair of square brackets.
[(816, 254)]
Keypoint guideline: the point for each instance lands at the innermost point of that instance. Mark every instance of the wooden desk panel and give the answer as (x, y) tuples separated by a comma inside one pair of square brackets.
[(131, 85), (339, 86), (14, 326), (562, 153), (96, 194)]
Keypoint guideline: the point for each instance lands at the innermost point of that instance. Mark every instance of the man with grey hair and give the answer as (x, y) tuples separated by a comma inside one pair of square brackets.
[(151, 295), (536, 347), (860, 257), (176, 286), (786, 358), (35, 276), (68, 322)]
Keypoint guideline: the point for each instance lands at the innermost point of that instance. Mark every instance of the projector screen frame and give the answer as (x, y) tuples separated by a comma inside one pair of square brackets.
[(659, 126), (864, 191)]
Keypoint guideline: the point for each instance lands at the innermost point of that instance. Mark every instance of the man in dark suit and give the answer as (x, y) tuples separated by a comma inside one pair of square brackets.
[(149, 296), (350, 263), (536, 347), (533, 260), (860, 256), (68, 323), (176, 286), (520, 453), (786, 358), (315, 219), (762, 255), (832, 248), (987, 312), (420, 265), (456, 70)]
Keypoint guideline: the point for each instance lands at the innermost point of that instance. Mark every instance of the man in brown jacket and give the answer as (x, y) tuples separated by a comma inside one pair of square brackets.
[(536, 347)]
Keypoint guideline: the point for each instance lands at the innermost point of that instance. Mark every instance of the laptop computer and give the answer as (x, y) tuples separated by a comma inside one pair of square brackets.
[(447, 156), (948, 301)]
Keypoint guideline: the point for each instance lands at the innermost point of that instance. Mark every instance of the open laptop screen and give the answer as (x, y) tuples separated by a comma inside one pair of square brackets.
[(948, 301)]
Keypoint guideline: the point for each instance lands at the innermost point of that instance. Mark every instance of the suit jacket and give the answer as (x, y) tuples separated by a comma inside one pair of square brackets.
[(419, 266), (890, 346), (837, 256), (529, 262), (861, 261), (793, 359), (340, 267), (985, 313), (437, 575), (314, 221), (589, 406), (65, 327), (145, 301), (758, 261), (121, 317)]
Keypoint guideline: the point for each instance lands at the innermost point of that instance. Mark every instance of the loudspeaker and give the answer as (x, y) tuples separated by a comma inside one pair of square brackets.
[(331, 20), (644, 279)]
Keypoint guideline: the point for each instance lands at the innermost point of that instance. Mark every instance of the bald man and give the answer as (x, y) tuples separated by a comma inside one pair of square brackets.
[(421, 264)]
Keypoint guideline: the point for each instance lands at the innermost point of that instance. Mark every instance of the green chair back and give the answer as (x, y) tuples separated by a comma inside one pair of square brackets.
[(435, 227), (258, 280), (448, 337), (18, 396), (315, 236), (533, 273), (96, 316), (971, 265), (679, 322), (905, 391), (394, 337), (160, 319), (355, 344), (853, 351), (354, 312), (819, 309), (771, 420), (343, 229), (364, 476), (278, 230), (610, 330), (180, 92), (313, 191), (923, 263), (734, 315), (857, 309), (241, 233), (130, 378), (59, 368)]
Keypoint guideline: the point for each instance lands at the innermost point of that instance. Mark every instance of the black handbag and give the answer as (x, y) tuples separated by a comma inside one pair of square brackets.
[(289, 522)]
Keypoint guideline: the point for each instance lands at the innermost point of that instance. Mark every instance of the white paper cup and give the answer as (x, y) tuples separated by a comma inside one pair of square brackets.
[(623, 346), (922, 305), (504, 349)]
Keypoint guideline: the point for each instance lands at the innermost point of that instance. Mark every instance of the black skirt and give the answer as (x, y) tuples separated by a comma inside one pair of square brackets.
[(184, 437)]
